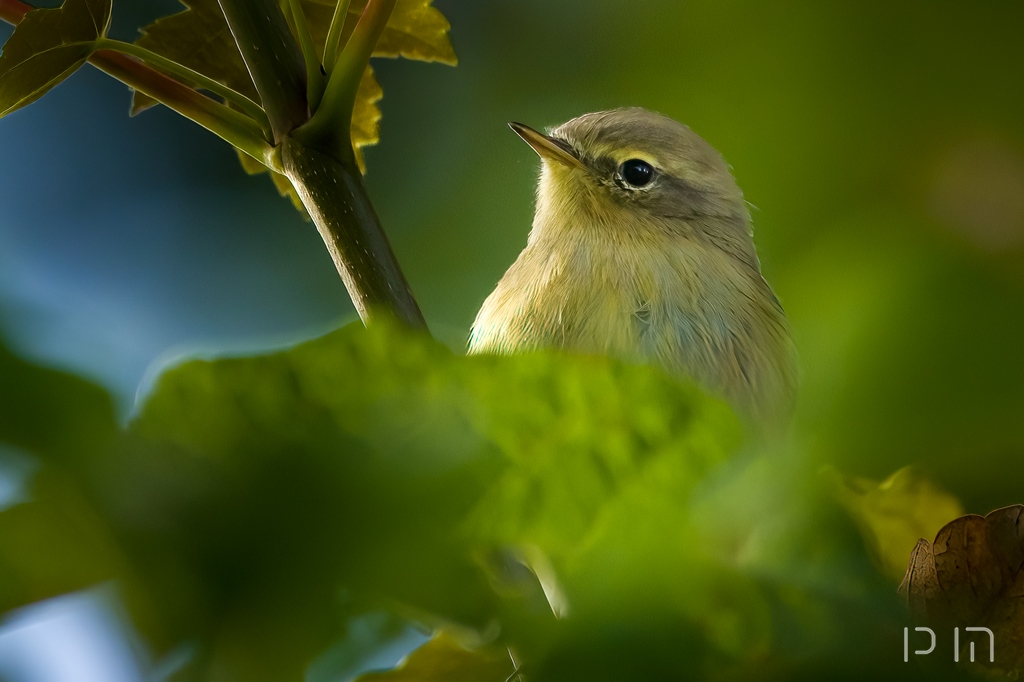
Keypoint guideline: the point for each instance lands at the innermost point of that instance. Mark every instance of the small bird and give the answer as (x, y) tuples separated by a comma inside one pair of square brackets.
[(641, 249)]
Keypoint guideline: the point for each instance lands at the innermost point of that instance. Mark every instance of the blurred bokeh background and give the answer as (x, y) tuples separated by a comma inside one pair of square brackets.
[(879, 143)]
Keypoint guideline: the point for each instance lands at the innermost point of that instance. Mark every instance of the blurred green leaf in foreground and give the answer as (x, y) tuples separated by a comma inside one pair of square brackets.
[(894, 514), (583, 518)]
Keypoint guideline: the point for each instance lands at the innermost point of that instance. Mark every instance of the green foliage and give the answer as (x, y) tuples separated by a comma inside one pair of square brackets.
[(68, 422), (416, 30), (199, 38), (50, 413), (584, 518), (425, 468), (47, 47), (894, 514)]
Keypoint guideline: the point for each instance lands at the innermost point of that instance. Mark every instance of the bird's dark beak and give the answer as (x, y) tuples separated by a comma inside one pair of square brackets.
[(550, 148)]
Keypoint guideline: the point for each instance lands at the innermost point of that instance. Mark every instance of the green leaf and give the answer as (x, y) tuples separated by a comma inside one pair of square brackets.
[(417, 30), (52, 541), (47, 47), (52, 545), (422, 479), (274, 481), (51, 413), (199, 38), (894, 514), (591, 516), (366, 115)]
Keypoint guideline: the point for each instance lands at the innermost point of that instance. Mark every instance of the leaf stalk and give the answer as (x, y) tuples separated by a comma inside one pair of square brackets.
[(334, 31), (314, 71), (183, 73), (232, 126)]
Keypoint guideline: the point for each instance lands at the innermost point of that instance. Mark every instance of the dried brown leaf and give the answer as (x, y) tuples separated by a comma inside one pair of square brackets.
[(972, 575)]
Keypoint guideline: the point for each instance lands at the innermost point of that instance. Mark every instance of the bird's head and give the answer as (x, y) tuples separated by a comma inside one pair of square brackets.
[(637, 171)]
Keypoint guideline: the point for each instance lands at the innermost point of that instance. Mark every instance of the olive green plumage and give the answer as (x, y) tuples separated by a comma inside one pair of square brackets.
[(641, 249)]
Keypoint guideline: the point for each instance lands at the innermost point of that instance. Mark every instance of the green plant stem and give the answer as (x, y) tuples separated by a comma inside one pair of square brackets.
[(335, 196), (330, 125), (230, 125), (337, 27), (273, 58), (185, 74), (319, 161), (314, 74)]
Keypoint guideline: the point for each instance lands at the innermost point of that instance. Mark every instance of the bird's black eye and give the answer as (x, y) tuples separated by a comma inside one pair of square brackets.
[(636, 173)]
